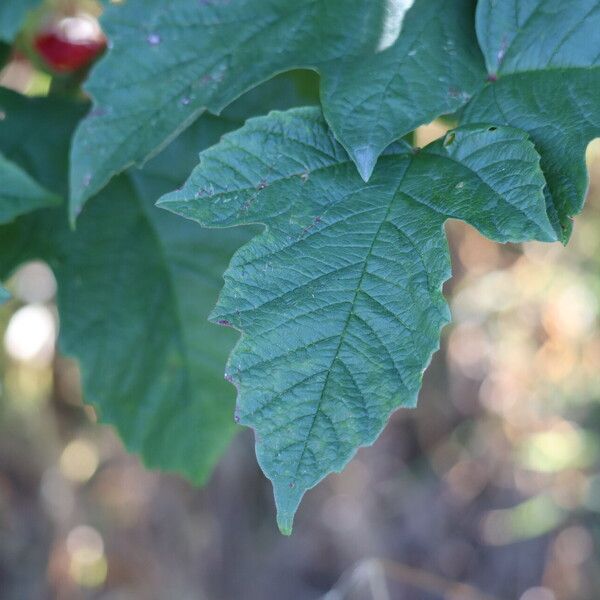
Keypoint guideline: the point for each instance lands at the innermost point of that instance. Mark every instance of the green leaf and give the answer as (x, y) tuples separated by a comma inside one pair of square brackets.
[(4, 295), (134, 291), (543, 57), (135, 285), (431, 67), (19, 194), (12, 16), (340, 298), (167, 64)]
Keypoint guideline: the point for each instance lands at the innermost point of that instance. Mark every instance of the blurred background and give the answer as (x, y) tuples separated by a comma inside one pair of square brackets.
[(489, 490)]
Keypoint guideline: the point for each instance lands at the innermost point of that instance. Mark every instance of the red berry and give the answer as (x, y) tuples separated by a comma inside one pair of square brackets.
[(71, 44)]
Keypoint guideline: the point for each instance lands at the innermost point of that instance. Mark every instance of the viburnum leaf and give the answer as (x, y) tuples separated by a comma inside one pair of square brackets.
[(19, 193), (135, 286), (339, 299), (426, 64), (134, 291), (169, 62), (12, 15), (543, 59)]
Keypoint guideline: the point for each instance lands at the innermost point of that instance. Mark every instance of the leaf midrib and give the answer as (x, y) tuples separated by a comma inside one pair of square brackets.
[(351, 313)]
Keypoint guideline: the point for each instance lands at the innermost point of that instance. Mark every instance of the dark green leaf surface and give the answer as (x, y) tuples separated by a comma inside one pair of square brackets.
[(543, 57), (19, 194), (169, 62), (12, 15), (5, 51), (134, 292), (340, 298), (35, 134), (426, 64), (135, 284)]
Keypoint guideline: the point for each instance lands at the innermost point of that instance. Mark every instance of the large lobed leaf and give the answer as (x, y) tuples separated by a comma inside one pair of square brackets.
[(543, 57), (134, 291), (340, 298), (135, 284), (168, 62)]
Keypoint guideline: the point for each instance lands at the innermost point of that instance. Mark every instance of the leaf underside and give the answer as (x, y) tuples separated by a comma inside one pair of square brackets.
[(340, 300)]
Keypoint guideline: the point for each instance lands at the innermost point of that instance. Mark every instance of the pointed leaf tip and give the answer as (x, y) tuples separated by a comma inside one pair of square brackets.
[(287, 499), (170, 202), (365, 159), (164, 199), (285, 523)]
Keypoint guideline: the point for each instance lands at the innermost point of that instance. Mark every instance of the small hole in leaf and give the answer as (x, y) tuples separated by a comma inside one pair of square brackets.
[(449, 139), (492, 128)]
